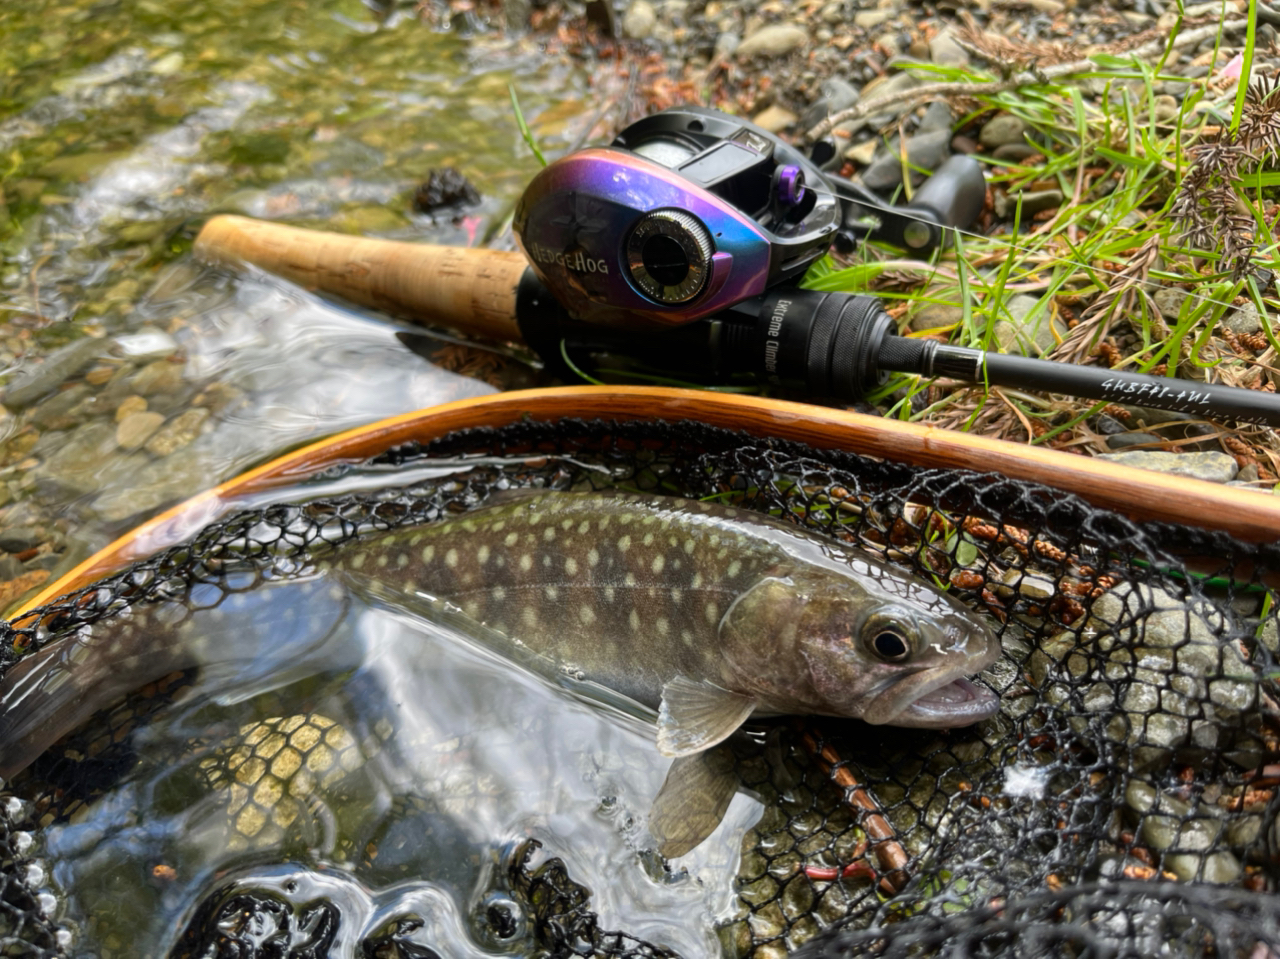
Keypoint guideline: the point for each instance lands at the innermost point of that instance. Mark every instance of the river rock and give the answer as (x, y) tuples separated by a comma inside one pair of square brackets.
[(33, 381), (1211, 466), (1184, 835), (834, 95), (178, 432), (639, 20), (1016, 335), (57, 412), (136, 428), (773, 40), (1033, 202), (1003, 129), (774, 119), (867, 19), (936, 117), (146, 345), (926, 150), (130, 405), (1168, 300), (86, 462), (1164, 676), (1243, 320), (944, 51), (157, 378)]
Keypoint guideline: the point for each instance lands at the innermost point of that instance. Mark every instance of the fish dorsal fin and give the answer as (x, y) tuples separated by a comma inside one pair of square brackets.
[(692, 801), (696, 715)]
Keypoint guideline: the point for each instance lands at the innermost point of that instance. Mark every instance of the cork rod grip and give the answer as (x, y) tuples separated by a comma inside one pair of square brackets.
[(469, 290)]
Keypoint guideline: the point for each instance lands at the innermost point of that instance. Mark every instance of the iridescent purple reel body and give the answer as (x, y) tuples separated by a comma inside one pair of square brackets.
[(687, 213)]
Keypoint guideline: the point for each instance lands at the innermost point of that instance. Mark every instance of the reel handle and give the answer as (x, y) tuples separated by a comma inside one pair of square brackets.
[(471, 290)]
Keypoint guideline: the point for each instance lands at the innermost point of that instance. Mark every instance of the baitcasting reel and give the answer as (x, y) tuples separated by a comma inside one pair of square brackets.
[(691, 211)]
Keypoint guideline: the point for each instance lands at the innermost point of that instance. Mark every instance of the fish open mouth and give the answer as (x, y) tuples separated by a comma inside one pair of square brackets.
[(960, 702)]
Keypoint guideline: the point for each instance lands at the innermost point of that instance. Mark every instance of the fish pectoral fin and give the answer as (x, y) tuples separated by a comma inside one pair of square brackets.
[(695, 715), (692, 801)]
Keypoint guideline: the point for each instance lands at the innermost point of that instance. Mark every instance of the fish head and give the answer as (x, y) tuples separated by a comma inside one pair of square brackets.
[(884, 647)]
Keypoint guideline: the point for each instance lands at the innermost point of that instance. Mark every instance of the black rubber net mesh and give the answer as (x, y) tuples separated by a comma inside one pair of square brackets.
[(1122, 803)]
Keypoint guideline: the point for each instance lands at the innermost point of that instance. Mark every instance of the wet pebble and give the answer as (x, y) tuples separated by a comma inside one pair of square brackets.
[(136, 428), (1214, 467), (177, 433), (1243, 320), (1184, 835), (157, 377), (33, 381), (147, 344), (128, 406)]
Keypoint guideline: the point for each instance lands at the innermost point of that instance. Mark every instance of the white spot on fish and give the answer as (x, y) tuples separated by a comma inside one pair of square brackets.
[(713, 613), (428, 553), (634, 620), (482, 554), (662, 626), (629, 580), (552, 593), (472, 608), (604, 523), (687, 636), (499, 526), (451, 558), (676, 595), (570, 566), (567, 524), (624, 519), (526, 563), (584, 526), (593, 556), (697, 581), (402, 560), (358, 561), (529, 616), (382, 560), (624, 544), (498, 594), (609, 593), (734, 568), (688, 546), (587, 615), (546, 560), (511, 539), (416, 539), (550, 534), (658, 563), (648, 539)]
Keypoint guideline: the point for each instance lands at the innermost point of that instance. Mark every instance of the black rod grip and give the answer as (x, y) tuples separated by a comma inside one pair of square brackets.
[(1138, 389)]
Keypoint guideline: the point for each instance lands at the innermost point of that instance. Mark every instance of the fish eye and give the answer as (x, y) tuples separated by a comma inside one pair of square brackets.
[(890, 646)]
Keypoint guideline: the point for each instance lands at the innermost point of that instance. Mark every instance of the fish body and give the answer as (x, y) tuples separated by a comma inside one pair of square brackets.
[(638, 592), (706, 613)]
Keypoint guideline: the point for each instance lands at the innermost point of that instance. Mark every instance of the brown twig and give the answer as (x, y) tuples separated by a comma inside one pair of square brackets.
[(889, 853)]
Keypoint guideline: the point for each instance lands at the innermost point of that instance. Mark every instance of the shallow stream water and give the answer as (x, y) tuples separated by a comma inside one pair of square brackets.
[(376, 765), (123, 125)]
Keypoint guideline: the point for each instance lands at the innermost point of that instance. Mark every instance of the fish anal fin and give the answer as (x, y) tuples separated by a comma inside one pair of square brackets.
[(695, 715), (692, 801)]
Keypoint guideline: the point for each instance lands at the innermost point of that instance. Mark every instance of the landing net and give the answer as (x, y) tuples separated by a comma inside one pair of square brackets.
[(1123, 802)]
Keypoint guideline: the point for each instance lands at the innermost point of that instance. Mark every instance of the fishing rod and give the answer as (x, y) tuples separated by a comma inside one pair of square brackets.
[(678, 247)]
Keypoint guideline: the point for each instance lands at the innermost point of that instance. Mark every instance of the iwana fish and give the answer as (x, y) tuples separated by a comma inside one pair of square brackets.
[(707, 614)]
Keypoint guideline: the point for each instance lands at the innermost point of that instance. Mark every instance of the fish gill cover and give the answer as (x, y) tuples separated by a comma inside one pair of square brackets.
[(1122, 802)]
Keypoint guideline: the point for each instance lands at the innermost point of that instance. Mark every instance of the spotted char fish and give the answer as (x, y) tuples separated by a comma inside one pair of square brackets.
[(705, 613)]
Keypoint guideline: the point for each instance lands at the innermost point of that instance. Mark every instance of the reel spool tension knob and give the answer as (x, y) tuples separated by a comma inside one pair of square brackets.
[(669, 255)]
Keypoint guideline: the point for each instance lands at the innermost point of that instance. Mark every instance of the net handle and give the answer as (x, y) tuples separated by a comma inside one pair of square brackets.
[(472, 290), (1137, 493)]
